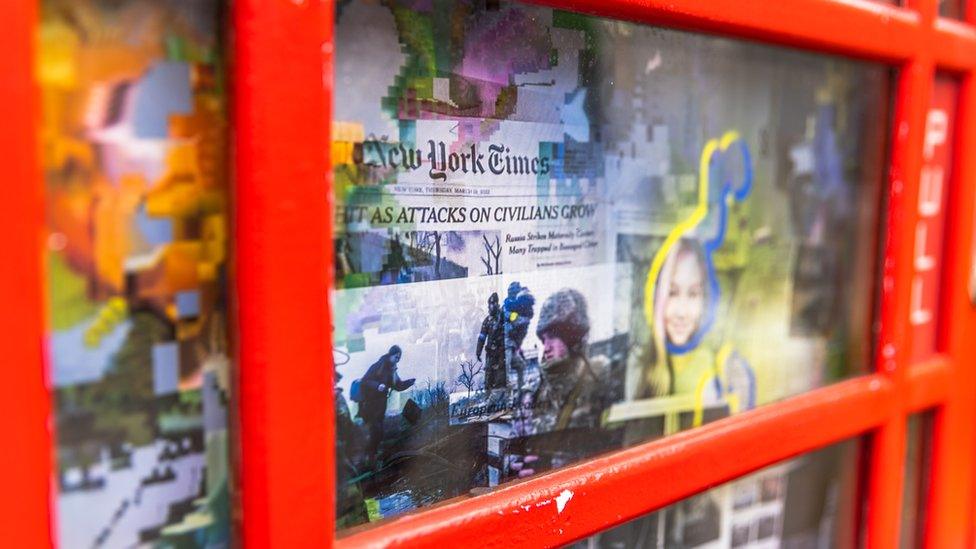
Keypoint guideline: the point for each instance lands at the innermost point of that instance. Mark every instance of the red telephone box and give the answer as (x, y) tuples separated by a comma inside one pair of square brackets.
[(901, 409)]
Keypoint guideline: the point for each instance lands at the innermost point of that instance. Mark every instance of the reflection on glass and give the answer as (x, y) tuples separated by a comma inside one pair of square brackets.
[(918, 456), (810, 501), (557, 235), (953, 9), (136, 195)]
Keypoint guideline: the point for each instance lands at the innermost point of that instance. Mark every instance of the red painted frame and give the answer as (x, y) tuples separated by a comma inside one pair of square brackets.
[(282, 90), (26, 519)]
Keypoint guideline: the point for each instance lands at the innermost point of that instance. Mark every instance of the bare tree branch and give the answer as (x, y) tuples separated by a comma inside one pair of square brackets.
[(492, 254), (469, 371)]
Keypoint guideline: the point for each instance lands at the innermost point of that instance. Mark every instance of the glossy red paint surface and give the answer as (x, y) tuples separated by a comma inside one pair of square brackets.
[(26, 515), (282, 248)]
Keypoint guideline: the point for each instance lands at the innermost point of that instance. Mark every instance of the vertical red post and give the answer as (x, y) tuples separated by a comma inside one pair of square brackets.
[(886, 482), (283, 266), (26, 462)]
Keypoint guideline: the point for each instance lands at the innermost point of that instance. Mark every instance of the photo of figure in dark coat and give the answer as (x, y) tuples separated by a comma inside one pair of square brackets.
[(375, 386), (491, 341)]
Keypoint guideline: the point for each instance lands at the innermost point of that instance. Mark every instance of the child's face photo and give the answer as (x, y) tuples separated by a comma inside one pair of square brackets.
[(685, 299)]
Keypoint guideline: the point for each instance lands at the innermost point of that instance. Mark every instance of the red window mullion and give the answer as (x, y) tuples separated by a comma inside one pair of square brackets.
[(927, 384), (954, 44), (862, 28), (283, 266), (26, 515), (885, 483)]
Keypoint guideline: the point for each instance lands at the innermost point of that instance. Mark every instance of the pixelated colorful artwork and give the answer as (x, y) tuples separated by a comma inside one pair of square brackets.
[(133, 138)]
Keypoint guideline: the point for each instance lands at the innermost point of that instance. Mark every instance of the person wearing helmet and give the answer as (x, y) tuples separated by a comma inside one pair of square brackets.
[(574, 390), (518, 310), (571, 391), (563, 326), (491, 341)]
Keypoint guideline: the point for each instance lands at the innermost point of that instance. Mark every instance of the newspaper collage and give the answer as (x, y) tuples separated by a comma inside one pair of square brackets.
[(559, 235)]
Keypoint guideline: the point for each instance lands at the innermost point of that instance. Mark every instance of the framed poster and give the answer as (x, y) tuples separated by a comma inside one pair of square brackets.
[(557, 235)]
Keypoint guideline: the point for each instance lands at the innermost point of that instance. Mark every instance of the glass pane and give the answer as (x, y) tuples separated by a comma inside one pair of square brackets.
[(133, 137), (810, 501), (558, 235), (953, 9), (918, 459)]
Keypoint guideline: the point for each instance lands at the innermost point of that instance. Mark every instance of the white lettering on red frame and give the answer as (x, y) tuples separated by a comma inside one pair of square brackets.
[(930, 226)]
